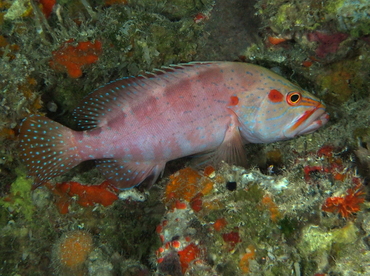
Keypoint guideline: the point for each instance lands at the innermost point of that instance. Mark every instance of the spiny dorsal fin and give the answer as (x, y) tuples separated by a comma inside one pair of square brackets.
[(109, 100)]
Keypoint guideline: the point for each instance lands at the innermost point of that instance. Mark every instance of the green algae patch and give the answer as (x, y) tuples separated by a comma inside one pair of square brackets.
[(286, 17), (315, 239), (282, 15), (334, 6), (318, 241), (19, 199), (343, 238)]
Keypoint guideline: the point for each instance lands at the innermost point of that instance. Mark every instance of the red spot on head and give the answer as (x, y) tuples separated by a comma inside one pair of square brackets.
[(234, 100), (275, 96)]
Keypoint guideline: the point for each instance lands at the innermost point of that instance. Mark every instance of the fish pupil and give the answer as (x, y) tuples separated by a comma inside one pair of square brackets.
[(294, 98)]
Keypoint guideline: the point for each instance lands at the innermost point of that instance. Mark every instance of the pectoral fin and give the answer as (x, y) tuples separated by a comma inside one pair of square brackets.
[(231, 149)]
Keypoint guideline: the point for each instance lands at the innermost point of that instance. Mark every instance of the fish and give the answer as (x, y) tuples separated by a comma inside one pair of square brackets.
[(133, 126)]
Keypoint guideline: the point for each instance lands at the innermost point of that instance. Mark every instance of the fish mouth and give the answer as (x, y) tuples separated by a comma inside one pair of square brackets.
[(309, 122)]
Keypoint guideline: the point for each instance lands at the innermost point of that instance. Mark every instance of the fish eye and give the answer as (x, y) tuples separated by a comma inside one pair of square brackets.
[(293, 98)]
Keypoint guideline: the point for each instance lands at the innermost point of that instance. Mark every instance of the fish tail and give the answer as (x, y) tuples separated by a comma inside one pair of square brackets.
[(47, 148)]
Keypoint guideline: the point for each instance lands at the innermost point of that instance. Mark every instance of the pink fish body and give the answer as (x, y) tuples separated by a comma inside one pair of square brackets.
[(133, 126)]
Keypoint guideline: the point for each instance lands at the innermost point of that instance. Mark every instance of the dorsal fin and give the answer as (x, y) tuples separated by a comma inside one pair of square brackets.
[(111, 98)]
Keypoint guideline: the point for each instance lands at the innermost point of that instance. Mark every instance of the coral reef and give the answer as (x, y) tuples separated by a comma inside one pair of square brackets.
[(298, 206), (230, 233)]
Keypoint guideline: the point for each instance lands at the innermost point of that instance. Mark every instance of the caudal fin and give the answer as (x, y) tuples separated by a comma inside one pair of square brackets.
[(47, 148)]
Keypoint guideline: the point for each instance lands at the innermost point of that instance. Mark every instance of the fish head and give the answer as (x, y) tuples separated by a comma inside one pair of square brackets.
[(284, 114), (305, 114)]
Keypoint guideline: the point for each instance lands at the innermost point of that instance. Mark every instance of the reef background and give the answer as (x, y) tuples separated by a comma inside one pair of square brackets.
[(300, 208)]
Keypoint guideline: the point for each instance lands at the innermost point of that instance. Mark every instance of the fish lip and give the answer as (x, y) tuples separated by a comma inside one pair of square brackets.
[(320, 118), (317, 119)]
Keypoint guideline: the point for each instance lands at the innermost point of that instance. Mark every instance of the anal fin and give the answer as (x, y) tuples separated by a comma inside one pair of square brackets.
[(127, 174)]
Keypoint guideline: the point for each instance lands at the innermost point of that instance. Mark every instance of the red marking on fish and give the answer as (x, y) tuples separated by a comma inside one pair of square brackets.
[(234, 100), (275, 96), (304, 117)]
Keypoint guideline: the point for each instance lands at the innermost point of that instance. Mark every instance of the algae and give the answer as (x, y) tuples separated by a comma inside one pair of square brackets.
[(19, 199)]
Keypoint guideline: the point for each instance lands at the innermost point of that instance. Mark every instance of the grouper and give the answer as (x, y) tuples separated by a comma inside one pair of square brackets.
[(133, 126)]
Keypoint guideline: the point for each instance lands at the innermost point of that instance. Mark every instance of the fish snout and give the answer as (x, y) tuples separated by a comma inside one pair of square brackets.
[(319, 121), (308, 122)]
